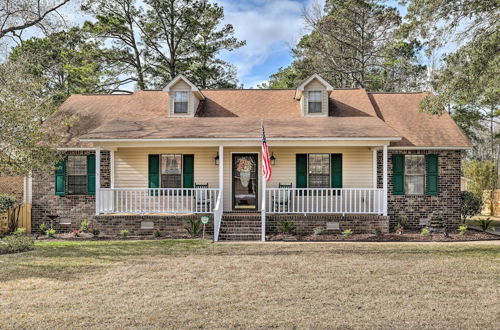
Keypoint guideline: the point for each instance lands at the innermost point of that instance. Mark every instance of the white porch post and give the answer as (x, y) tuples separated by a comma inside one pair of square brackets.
[(221, 176), (112, 169), (263, 209), (97, 180), (385, 178), (374, 170)]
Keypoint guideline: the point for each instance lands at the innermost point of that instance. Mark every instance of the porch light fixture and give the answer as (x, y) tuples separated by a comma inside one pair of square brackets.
[(273, 159), (216, 159)]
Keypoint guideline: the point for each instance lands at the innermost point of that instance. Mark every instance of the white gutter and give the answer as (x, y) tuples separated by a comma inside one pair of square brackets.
[(248, 139), (430, 148), (76, 149)]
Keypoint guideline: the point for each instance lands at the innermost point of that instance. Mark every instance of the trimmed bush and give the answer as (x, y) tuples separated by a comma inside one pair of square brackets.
[(470, 205), (347, 232), (124, 233), (286, 226), (43, 228), (51, 232), (16, 243)]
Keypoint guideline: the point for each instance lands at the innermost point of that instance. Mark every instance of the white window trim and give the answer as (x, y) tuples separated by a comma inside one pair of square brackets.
[(424, 175)]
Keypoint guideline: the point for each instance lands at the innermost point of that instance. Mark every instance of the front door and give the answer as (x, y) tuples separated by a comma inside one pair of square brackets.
[(245, 181)]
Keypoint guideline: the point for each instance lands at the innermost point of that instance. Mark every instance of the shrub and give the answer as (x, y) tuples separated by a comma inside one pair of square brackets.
[(462, 229), (95, 232), (318, 231), (403, 221), (51, 232), (19, 232), (425, 232), (124, 233), (286, 226), (377, 232), (484, 224), (194, 227), (6, 202), (84, 226), (470, 204), (43, 228), (347, 232), (16, 243), (156, 233)]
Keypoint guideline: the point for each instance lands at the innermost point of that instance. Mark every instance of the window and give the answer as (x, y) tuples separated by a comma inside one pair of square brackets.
[(76, 168), (415, 174), (319, 170), (171, 171), (315, 102), (181, 102)]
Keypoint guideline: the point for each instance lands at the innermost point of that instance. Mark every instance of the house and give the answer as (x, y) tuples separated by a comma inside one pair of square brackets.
[(341, 158)]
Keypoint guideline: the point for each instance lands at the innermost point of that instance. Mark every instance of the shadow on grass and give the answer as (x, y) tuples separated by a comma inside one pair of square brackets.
[(66, 260)]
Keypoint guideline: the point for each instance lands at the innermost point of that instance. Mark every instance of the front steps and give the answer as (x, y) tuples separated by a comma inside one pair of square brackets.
[(240, 227)]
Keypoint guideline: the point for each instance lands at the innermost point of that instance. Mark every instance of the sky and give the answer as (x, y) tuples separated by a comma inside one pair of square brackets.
[(269, 27)]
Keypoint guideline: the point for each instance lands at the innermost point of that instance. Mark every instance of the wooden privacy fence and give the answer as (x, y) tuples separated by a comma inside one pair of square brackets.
[(491, 202), (23, 212)]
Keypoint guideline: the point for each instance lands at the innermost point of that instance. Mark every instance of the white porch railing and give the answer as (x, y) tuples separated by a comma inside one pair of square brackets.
[(157, 200), (325, 200)]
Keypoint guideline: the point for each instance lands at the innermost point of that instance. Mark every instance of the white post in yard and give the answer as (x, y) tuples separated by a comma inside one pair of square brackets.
[(385, 179), (97, 179)]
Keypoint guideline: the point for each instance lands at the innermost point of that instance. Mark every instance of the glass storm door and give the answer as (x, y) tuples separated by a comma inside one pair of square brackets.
[(245, 181)]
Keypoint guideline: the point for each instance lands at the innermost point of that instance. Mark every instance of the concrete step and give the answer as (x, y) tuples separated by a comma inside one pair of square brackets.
[(239, 237), (241, 223), (243, 230)]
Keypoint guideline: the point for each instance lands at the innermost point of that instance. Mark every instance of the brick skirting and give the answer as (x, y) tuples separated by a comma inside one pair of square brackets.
[(168, 225), (305, 224)]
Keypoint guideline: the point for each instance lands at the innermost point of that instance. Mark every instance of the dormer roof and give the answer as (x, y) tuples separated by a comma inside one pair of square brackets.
[(194, 89), (300, 90)]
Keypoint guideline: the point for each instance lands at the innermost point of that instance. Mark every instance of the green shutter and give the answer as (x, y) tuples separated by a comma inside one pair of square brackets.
[(60, 178), (398, 174), (336, 170), (188, 171), (301, 170), (91, 175), (432, 178), (153, 171)]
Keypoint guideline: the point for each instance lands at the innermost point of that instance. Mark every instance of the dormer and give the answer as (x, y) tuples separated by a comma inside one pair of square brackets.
[(313, 95), (183, 97)]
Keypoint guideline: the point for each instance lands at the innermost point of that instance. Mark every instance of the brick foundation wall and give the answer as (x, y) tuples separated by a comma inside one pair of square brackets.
[(168, 225), (72, 209), (305, 224), (418, 208)]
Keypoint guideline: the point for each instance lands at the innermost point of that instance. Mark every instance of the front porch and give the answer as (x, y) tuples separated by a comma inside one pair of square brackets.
[(217, 189)]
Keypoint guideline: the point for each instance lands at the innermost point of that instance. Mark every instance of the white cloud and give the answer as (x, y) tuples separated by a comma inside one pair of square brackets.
[(269, 27)]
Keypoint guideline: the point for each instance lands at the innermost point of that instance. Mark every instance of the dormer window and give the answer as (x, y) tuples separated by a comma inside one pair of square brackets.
[(315, 102), (181, 102)]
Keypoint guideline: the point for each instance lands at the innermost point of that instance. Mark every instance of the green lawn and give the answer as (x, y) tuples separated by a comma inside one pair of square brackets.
[(197, 284)]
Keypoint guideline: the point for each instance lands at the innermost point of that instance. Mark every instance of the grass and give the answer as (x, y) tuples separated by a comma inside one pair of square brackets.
[(196, 284)]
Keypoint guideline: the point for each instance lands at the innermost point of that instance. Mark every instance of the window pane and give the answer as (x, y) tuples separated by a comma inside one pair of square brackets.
[(171, 164), (181, 96), (315, 96), (180, 107), (414, 184), (76, 167), (315, 107), (415, 164), (319, 171), (180, 102), (171, 171)]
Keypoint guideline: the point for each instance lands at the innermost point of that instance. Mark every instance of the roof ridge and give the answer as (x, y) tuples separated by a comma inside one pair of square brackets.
[(420, 92)]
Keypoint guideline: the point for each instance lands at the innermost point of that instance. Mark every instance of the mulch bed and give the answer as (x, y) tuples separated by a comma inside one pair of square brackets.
[(408, 236), (91, 237)]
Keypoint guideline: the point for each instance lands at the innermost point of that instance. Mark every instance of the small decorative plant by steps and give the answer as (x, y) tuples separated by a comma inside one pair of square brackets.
[(286, 227), (194, 227)]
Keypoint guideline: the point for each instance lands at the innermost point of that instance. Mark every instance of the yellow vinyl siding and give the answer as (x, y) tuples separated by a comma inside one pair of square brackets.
[(131, 166)]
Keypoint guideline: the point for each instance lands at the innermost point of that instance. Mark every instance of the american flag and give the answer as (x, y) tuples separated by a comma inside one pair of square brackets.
[(266, 162)]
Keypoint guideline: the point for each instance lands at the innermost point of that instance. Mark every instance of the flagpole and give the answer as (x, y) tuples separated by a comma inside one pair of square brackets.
[(263, 198)]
